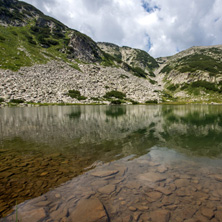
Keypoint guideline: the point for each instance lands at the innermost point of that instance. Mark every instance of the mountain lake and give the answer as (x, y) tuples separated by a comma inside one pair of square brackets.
[(111, 163)]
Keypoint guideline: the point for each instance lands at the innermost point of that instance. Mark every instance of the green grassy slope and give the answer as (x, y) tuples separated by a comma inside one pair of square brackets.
[(21, 46)]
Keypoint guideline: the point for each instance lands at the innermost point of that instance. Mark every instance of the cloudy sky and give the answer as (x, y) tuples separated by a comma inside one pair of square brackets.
[(161, 27)]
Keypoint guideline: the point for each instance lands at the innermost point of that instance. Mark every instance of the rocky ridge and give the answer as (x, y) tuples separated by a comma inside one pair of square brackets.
[(133, 57)]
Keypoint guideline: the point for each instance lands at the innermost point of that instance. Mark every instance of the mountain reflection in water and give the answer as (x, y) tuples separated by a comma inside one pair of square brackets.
[(118, 130)]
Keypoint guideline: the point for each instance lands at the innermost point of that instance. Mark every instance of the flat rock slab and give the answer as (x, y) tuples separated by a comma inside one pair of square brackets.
[(164, 190), (104, 173), (133, 185), (152, 177), (107, 189), (162, 169), (218, 215), (89, 210), (154, 196), (182, 183), (186, 212), (209, 213), (160, 216), (32, 215)]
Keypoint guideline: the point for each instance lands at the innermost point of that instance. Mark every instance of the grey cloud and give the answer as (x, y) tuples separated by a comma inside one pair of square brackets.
[(171, 25)]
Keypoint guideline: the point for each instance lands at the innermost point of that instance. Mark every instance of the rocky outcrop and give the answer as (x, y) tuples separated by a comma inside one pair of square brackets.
[(46, 31), (133, 57), (84, 48), (15, 13)]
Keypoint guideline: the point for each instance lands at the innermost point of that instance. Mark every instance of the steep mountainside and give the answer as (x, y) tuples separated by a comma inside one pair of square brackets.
[(195, 72), (44, 61), (136, 58), (27, 36), (62, 65)]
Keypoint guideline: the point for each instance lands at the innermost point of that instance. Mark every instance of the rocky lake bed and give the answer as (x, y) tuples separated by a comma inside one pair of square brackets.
[(111, 163), (154, 187)]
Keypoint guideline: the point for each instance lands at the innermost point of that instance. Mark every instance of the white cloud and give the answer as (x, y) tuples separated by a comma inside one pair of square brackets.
[(165, 27)]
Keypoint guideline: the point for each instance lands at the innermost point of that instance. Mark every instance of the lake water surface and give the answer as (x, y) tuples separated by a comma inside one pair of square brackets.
[(111, 163)]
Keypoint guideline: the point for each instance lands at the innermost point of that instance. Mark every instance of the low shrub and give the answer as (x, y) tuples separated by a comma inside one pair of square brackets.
[(14, 33), (205, 84), (75, 92), (152, 74), (52, 42), (152, 81), (167, 95), (75, 66), (173, 87), (134, 102), (2, 100), (151, 101), (137, 71), (17, 101), (115, 94), (58, 35), (124, 76), (2, 38), (76, 95), (184, 86), (192, 63), (95, 98), (81, 98), (116, 102), (166, 69)]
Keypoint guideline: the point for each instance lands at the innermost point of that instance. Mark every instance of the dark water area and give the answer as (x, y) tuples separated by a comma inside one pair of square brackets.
[(132, 163)]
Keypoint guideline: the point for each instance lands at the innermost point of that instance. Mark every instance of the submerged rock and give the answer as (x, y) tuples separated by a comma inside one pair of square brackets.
[(160, 216), (152, 177), (107, 189), (104, 173), (89, 210)]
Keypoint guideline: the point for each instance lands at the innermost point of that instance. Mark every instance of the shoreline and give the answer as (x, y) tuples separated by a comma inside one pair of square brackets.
[(8, 104)]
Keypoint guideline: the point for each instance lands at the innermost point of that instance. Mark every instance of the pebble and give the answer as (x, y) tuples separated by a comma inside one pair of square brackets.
[(152, 177), (57, 195), (44, 173), (123, 202), (131, 208)]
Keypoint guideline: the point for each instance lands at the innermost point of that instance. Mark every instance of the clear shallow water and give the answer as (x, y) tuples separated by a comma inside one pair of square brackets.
[(54, 144)]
